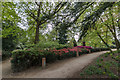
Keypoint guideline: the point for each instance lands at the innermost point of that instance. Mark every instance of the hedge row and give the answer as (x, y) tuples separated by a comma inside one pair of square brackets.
[(99, 49), (24, 59)]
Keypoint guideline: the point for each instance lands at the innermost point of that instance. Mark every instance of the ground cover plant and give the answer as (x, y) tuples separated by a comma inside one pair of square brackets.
[(105, 66)]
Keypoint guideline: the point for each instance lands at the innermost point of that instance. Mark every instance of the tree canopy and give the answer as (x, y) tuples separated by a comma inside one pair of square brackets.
[(60, 22)]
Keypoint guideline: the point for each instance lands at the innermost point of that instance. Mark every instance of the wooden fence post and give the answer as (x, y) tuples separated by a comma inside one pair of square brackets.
[(89, 51), (77, 54), (43, 62)]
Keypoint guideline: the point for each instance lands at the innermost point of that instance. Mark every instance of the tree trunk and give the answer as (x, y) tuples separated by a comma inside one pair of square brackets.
[(75, 43), (37, 34), (118, 16), (114, 33), (84, 43), (117, 43), (38, 23), (104, 41), (106, 35)]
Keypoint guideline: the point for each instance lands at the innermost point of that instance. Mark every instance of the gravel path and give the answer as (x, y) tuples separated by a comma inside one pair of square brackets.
[(59, 69)]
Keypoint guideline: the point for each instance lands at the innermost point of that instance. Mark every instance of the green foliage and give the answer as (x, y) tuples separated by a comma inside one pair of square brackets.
[(6, 54), (83, 52), (118, 51), (115, 63), (90, 19), (93, 70), (105, 67), (63, 33), (112, 75), (99, 49), (50, 45), (23, 59), (10, 30), (43, 45), (106, 54), (29, 46), (101, 26), (101, 59), (39, 15), (117, 58), (99, 65), (98, 60), (8, 43)]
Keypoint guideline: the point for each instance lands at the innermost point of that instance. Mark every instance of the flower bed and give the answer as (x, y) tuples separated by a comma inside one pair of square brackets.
[(23, 59)]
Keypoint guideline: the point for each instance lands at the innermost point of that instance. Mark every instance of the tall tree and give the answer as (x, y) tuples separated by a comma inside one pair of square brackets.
[(70, 17), (41, 13), (111, 23), (90, 19), (10, 30)]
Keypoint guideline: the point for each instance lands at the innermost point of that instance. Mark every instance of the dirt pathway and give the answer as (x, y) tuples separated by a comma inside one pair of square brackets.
[(59, 69)]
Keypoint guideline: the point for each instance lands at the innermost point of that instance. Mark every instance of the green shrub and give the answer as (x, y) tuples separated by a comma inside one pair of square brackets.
[(95, 50), (99, 49), (6, 54), (29, 45), (51, 44), (50, 57), (112, 75), (98, 71), (114, 63), (117, 58), (23, 59), (101, 59), (106, 54), (99, 65), (84, 51)]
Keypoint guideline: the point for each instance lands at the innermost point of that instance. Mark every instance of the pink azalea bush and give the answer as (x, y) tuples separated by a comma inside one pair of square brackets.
[(23, 59), (66, 50)]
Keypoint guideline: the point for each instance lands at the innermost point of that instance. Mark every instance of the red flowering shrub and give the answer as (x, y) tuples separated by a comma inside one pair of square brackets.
[(23, 59)]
